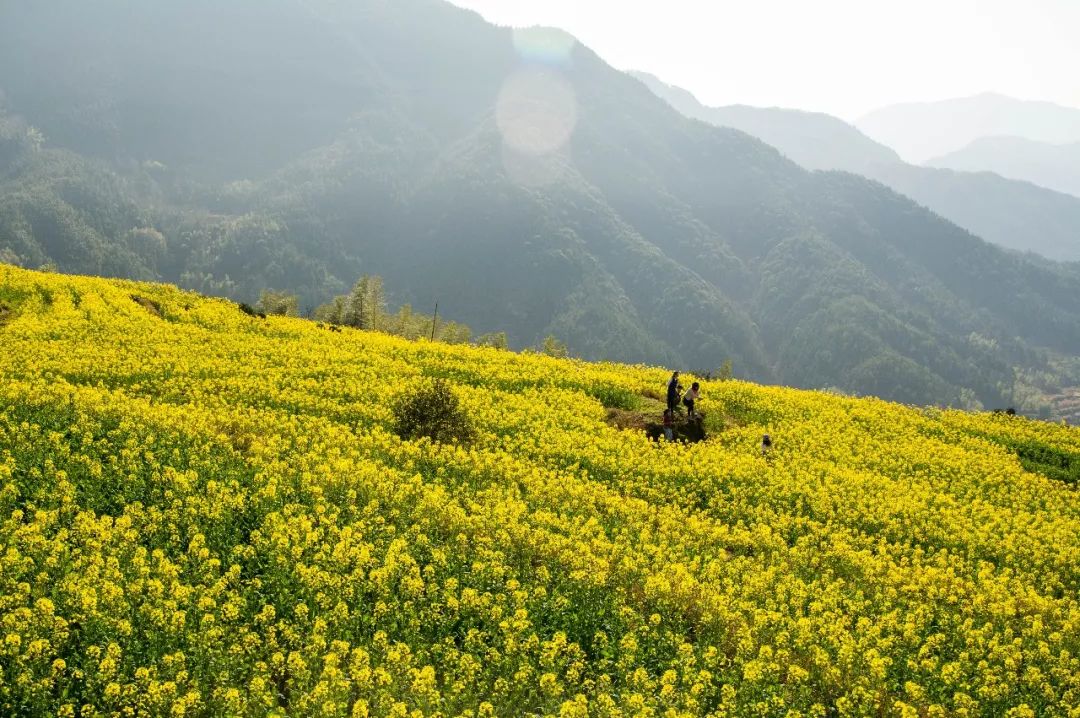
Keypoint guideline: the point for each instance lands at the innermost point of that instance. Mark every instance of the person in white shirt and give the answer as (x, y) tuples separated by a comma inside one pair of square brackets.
[(690, 397)]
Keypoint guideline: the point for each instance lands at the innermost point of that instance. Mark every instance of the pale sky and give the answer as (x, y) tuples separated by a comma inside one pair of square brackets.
[(844, 57)]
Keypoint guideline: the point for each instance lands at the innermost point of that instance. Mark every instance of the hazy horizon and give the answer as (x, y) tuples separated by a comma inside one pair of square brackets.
[(843, 57)]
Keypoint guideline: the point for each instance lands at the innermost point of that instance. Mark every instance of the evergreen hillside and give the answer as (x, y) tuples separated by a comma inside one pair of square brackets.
[(207, 513), (1010, 212), (513, 177)]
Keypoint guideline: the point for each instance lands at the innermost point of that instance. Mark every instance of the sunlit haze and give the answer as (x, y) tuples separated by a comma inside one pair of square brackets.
[(845, 57)]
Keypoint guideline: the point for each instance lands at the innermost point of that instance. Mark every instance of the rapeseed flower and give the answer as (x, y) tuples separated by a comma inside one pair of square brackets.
[(202, 513)]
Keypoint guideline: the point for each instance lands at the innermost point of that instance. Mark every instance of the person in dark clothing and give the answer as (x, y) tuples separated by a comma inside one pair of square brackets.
[(673, 389)]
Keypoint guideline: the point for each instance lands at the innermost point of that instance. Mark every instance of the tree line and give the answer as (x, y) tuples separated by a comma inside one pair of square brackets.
[(365, 307)]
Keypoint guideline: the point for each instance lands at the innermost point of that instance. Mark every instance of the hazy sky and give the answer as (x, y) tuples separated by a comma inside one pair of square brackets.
[(845, 57)]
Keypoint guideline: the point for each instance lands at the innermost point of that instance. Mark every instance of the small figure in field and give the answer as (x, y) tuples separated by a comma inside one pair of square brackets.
[(673, 390), (669, 424), (690, 397), (766, 446)]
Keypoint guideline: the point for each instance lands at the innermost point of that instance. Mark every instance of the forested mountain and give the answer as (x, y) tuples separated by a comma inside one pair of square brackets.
[(1056, 166), (1008, 212), (512, 176), (920, 131)]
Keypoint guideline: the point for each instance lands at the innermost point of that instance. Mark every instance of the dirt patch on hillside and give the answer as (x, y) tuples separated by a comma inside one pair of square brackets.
[(625, 419), (684, 430), (148, 304)]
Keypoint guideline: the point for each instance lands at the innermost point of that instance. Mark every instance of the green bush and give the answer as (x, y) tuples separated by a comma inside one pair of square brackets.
[(613, 397), (280, 303), (1051, 462), (432, 411), (250, 310)]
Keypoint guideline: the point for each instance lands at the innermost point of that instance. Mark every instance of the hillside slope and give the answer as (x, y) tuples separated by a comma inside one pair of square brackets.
[(1011, 213), (1042, 163), (1007, 210), (513, 177), (208, 513)]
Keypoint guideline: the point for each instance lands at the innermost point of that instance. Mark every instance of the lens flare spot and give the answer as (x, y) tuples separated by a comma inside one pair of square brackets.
[(536, 111)]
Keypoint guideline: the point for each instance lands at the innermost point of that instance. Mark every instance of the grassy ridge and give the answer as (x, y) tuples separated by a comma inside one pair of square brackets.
[(205, 513)]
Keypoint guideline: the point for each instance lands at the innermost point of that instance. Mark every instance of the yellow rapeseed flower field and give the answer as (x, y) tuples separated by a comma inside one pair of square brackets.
[(204, 513)]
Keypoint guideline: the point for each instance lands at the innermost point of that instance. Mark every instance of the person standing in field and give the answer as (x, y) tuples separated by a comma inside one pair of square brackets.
[(669, 424), (673, 389), (690, 398), (766, 446)]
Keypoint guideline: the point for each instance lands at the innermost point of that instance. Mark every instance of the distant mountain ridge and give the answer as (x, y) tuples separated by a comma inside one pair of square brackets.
[(814, 140), (1010, 213), (512, 176), (921, 131), (1056, 166)]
